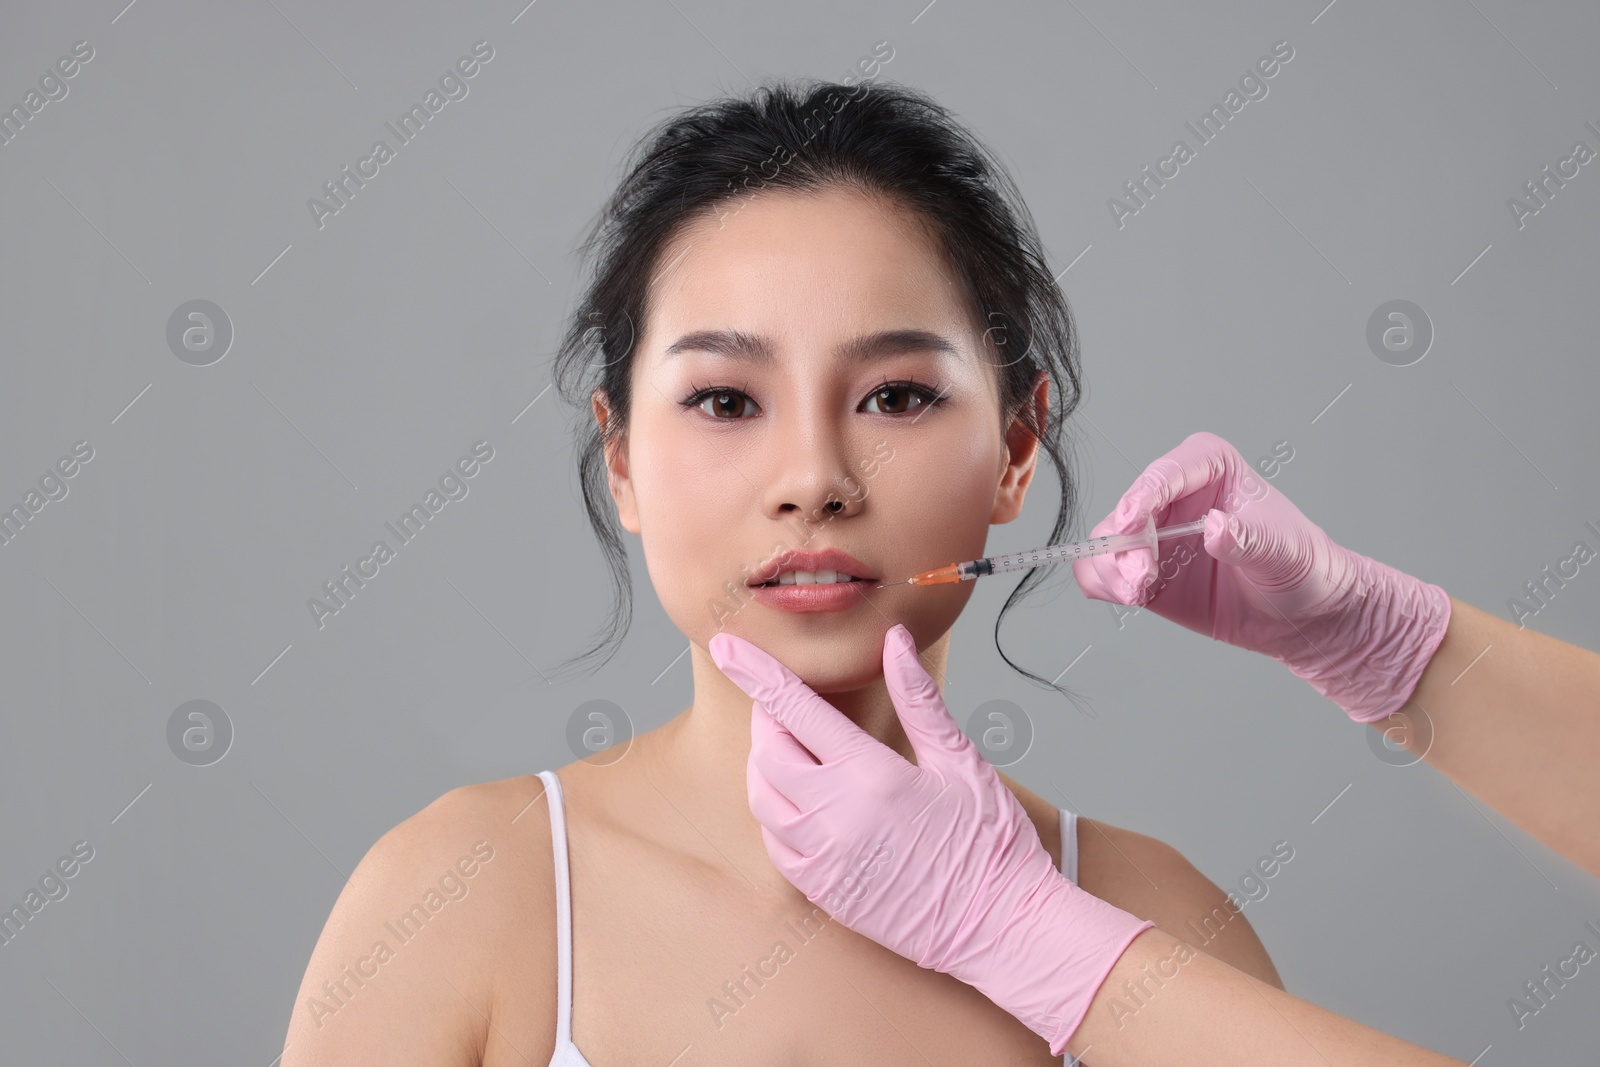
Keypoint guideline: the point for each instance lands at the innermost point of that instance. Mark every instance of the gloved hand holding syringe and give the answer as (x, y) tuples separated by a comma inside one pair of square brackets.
[(1266, 578)]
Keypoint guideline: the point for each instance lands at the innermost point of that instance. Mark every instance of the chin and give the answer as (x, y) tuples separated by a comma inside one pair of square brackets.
[(842, 660)]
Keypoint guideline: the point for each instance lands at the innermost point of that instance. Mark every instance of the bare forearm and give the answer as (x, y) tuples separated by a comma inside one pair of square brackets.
[(1513, 716), (1167, 1002)]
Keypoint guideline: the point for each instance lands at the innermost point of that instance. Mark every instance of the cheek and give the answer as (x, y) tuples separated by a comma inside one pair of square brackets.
[(693, 496), (943, 487), (679, 473)]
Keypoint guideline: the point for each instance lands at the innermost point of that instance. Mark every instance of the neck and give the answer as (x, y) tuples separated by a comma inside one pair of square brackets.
[(699, 764)]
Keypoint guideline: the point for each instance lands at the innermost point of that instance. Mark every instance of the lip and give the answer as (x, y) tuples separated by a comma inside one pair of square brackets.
[(829, 559), (836, 596)]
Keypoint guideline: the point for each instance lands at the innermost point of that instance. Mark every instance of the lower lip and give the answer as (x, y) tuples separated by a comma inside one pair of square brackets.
[(835, 596)]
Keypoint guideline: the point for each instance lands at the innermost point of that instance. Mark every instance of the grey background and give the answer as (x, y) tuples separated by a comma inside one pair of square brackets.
[(370, 354)]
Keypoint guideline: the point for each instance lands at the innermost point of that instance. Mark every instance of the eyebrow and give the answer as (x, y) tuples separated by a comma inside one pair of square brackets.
[(751, 348)]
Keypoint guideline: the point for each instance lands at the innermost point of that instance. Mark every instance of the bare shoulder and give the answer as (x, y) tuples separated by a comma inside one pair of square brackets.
[(1152, 879), (1148, 877), (411, 964)]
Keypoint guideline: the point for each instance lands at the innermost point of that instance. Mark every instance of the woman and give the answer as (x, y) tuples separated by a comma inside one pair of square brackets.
[(825, 326)]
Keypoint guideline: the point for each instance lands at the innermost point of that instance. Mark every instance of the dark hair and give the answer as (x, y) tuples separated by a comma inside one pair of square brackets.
[(875, 137)]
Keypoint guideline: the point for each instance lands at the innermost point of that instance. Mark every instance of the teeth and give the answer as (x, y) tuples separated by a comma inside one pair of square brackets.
[(812, 578)]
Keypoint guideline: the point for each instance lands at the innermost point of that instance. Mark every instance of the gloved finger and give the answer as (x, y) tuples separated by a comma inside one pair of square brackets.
[(1234, 540), (933, 732), (1120, 577), (790, 769), (818, 725), (1200, 460), (787, 860), (1276, 565), (783, 761), (778, 816), (1174, 488)]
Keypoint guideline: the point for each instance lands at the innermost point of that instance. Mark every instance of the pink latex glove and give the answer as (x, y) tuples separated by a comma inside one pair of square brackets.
[(1269, 580), (936, 860)]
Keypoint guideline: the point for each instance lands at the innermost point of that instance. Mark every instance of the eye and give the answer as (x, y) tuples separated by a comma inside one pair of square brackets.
[(894, 398), (726, 402), (889, 392)]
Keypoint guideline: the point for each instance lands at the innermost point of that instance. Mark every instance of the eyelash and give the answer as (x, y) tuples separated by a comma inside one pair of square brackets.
[(931, 396)]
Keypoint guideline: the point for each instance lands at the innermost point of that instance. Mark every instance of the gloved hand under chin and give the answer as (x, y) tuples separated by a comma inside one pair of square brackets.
[(1270, 580), (936, 860)]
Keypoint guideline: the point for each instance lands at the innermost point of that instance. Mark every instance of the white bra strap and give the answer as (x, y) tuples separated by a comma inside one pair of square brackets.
[(558, 839)]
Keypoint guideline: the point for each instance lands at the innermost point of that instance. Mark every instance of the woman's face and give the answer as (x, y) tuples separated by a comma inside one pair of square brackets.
[(759, 396)]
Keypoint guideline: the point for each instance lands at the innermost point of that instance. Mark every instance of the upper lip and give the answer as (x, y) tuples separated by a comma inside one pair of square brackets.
[(829, 559)]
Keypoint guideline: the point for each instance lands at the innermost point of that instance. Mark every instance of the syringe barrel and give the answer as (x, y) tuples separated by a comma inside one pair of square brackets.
[(1093, 546)]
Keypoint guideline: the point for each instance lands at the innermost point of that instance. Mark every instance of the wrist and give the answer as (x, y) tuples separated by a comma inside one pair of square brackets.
[(1153, 958), (1048, 954), (1368, 655)]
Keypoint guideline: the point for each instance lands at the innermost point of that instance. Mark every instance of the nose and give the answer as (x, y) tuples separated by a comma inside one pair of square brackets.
[(815, 484), (840, 498)]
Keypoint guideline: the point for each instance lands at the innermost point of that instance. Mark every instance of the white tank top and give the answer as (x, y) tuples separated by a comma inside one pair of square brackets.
[(566, 1053)]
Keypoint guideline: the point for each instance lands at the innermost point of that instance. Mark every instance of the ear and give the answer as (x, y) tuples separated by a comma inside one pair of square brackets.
[(616, 461), (1022, 452)]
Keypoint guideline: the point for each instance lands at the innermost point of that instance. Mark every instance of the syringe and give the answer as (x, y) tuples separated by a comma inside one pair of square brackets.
[(1016, 561)]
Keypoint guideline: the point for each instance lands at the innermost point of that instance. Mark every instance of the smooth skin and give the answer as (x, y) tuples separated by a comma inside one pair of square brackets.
[(1512, 717), (673, 892)]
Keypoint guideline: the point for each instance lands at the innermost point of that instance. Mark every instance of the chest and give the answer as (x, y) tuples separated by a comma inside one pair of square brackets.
[(676, 964)]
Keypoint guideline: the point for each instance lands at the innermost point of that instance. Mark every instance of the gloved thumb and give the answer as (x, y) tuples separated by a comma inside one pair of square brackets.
[(932, 731), (1279, 558), (1235, 538)]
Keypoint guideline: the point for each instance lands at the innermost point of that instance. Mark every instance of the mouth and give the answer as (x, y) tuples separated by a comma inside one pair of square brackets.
[(822, 577), (828, 567)]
